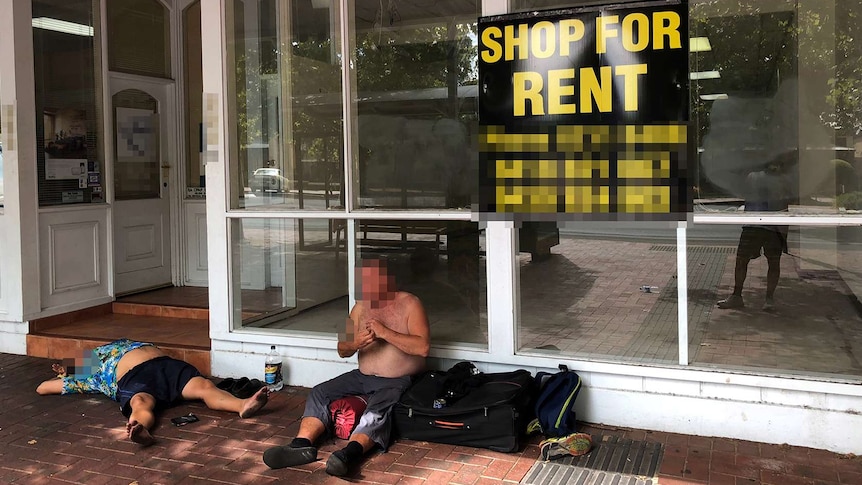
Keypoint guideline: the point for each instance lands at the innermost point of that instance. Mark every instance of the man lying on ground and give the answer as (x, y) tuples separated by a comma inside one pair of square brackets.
[(144, 380)]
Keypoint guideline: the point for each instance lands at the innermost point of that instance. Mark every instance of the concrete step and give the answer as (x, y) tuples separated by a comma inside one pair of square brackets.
[(182, 333)]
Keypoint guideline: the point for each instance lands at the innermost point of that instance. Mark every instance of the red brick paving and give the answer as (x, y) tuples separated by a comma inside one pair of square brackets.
[(80, 439)]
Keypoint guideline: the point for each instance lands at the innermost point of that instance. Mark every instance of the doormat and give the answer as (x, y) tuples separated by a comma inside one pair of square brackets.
[(612, 461)]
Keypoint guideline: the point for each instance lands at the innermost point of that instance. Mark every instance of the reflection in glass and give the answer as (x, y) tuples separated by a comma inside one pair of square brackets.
[(287, 92), (139, 36), (417, 103), (288, 275), (67, 73), (598, 290), (813, 323), (776, 86), (193, 88), (443, 264)]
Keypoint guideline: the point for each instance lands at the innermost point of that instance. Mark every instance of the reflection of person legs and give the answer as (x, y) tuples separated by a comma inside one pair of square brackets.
[(202, 388), (739, 274), (141, 418), (748, 249), (774, 244), (373, 429), (772, 276), (315, 421)]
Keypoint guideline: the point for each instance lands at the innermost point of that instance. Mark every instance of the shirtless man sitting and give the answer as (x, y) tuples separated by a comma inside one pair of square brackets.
[(144, 380), (389, 329)]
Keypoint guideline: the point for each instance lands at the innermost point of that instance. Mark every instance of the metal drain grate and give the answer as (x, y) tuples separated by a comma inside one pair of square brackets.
[(612, 461), (695, 249)]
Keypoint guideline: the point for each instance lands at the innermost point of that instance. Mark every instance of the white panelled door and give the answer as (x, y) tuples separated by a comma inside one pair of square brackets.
[(144, 148)]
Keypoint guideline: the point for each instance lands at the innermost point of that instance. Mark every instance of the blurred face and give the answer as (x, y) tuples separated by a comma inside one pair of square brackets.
[(374, 284), (84, 364)]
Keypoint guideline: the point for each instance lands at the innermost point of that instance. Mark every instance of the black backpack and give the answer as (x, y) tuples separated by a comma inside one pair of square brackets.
[(555, 405)]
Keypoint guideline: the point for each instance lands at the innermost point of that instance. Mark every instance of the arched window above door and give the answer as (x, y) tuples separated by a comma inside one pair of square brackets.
[(139, 37)]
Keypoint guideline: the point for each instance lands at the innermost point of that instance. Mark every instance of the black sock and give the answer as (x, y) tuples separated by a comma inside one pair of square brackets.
[(353, 451), (301, 443)]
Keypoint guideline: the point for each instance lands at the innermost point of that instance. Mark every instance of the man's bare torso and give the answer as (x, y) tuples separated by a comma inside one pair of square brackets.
[(382, 358), (137, 356)]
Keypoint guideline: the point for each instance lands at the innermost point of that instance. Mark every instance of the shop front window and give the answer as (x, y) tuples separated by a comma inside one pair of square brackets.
[(68, 102), (775, 90), (776, 106), (773, 297), (290, 275), (598, 291), (417, 113), (286, 95)]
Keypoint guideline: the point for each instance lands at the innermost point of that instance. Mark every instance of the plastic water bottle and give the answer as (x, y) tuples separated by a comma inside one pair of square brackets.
[(272, 373)]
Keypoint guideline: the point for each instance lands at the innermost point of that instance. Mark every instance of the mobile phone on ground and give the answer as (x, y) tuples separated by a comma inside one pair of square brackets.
[(184, 420)]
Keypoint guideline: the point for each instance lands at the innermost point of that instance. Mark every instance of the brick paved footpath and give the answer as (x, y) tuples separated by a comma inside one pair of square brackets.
[(80, 439)]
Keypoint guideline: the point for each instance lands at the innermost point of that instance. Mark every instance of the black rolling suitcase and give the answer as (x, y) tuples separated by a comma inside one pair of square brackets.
[(489, 410)]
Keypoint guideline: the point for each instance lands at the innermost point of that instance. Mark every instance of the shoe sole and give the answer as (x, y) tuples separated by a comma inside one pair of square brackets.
[(285, 456)]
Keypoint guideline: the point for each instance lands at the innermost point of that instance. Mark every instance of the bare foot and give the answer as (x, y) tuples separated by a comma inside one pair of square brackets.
[(139, 434), (253, 404)]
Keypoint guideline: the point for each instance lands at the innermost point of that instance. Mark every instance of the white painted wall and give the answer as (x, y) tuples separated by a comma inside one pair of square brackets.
[(19, 283), (195, 217), (769, 410)]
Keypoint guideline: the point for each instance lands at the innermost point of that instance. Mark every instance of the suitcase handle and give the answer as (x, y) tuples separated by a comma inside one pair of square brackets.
[(448, 425)]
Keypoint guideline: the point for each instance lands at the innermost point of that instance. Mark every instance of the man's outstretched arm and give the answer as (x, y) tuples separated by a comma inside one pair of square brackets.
[(68, 384)]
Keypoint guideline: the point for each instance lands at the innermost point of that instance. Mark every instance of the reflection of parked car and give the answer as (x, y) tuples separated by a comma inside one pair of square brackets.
[(268, 180)]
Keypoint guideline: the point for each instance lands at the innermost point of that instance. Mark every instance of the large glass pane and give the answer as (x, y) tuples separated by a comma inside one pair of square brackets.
[(416, 75), (443, 264), (287, 274), (68, 101), (286, 83), (139, 37), (193, 89), (812, 325), (775, 92), (598, 290)]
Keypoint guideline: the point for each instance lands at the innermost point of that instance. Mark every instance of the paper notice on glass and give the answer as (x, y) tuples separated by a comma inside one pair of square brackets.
[(65, 169), (137, 140)]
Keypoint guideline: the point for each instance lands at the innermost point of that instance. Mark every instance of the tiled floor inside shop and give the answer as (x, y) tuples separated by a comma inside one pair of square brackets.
[(586, 300)]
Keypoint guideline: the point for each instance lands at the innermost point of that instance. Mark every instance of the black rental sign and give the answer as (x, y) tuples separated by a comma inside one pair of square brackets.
[(584, 114)]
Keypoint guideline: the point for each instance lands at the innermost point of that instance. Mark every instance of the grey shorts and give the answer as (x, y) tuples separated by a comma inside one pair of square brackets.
[(382, 392)]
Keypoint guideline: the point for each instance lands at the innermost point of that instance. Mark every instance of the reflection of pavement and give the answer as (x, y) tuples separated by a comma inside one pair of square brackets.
[(585, 302), (585, 299), (816, 327)]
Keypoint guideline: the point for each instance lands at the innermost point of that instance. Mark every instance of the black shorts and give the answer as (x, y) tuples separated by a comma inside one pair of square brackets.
[(753, 239), (163, 378)]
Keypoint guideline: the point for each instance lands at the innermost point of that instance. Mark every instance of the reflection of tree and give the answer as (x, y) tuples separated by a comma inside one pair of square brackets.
[(406, 58), (418, 58), (756, 51)]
